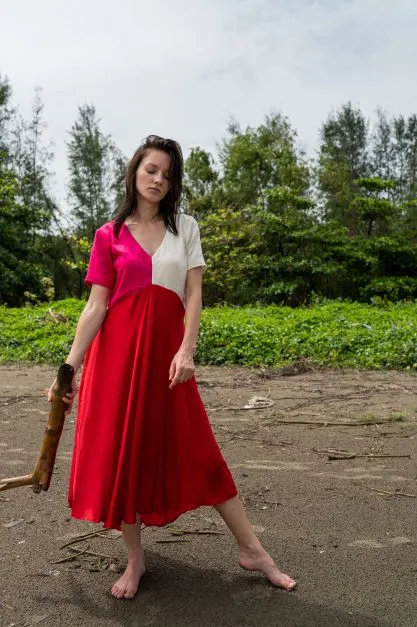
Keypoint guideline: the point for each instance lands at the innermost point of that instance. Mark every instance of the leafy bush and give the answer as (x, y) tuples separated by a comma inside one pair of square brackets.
[(330, 333), (40, 334)]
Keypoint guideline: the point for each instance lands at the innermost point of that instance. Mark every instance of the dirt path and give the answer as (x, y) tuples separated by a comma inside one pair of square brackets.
[(345, 529)]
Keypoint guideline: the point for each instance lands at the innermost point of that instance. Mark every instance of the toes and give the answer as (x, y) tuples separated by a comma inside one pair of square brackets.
[(279, 579), (117, 591), (287, 583), (290, 585)]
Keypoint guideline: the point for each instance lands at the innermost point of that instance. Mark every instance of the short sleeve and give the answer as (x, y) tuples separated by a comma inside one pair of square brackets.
[(194, 251), (100, 267)]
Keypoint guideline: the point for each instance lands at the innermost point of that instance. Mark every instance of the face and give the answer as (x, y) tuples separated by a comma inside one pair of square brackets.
[(152, 182)]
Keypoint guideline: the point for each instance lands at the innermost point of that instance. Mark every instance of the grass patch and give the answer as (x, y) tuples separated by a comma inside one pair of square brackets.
[(337, 334)]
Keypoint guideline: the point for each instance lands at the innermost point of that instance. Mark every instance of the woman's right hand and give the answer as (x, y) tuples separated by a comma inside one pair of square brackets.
[(68, 398)]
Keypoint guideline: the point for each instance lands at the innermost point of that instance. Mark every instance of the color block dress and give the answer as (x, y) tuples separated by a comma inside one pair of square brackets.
[(140, 447)]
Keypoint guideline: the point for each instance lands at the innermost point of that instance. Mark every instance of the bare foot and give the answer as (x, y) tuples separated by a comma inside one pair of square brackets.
[(126, 587), (260, 560)]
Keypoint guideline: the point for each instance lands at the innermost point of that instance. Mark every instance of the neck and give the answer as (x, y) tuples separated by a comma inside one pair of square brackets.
[(145, 211)]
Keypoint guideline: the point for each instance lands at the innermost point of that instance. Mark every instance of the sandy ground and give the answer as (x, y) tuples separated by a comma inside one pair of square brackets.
[(344, 528)]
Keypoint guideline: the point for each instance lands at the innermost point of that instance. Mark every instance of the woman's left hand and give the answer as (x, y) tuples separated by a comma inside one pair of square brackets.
[(182, 368)]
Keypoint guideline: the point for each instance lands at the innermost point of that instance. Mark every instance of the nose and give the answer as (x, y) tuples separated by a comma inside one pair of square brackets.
[(158, 178)]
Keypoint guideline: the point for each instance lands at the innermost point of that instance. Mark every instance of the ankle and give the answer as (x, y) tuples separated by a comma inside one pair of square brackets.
[(252, 546), (135, 556)]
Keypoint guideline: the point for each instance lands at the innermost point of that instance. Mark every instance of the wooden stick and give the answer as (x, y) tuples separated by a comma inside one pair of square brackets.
[(382, 455), (83, 537), (324, 423), (411, 496), (40, 479), (70, 557), (339, 455), (172, 540), (179, 532), (88, 552)]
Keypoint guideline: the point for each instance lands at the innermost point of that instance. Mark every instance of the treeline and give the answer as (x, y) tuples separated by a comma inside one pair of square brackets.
[(277, 227)]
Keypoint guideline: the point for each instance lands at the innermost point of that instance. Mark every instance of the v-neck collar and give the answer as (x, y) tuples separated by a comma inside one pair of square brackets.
[(140, 245)]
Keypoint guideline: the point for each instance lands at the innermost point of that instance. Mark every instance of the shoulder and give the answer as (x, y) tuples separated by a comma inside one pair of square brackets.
[(106, 228), (185, 218), (103, 239), (187, 224), (105, 232)]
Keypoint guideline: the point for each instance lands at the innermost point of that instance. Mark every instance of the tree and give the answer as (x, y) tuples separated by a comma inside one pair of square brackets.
[(200, 183), (260, 252), (411, 158), (343, 158), (93, 160), (382, 158), (32, 160), (119, 174), (6, 114), (374, 209), (25, 206), (259, 159), (19, 271)]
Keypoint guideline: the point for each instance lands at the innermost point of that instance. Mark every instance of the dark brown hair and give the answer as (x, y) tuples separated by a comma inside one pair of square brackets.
[(169, 205)]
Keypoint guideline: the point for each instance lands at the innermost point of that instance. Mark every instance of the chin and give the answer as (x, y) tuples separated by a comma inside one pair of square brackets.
[(153, 199)]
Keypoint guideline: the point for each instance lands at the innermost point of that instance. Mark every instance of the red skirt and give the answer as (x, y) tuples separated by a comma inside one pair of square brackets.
[(139, 447)]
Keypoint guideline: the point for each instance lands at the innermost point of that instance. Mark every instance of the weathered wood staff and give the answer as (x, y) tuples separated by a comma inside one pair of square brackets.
[(41, 476)]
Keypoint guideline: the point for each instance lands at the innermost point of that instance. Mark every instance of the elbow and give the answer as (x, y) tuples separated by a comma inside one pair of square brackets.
[(96, 309)]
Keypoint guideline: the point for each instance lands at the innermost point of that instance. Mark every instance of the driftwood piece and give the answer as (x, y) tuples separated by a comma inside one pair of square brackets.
[(41, 476), (333, 454), (83, 536), (411, 496), (199, 532)]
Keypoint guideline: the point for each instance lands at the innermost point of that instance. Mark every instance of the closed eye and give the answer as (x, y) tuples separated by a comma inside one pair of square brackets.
[(151, 171)]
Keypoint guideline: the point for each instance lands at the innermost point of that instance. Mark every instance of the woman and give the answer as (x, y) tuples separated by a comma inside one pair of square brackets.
[(144, 450)]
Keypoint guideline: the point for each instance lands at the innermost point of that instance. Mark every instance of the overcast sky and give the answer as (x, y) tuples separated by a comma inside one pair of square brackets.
[(182, 68)]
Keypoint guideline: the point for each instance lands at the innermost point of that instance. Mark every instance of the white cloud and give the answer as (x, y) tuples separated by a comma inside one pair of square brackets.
[(181, 68)]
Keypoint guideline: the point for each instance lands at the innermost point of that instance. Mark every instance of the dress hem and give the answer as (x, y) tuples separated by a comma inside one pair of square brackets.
[(167, 518)]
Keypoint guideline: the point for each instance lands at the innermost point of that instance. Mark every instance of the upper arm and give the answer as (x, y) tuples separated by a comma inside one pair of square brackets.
[(194, 281)]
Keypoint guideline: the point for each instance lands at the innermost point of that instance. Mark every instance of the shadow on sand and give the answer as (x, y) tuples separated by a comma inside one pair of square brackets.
[(174, 594)]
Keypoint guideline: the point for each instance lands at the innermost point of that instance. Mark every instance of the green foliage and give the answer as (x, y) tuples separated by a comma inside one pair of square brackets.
[(6, 113), (343, 159), (19, 263), (95, 172), (334, 333), (372, 207), (279, 253), (32, 160), (200, 183), (33, 334), (276, 228), (259, 159)]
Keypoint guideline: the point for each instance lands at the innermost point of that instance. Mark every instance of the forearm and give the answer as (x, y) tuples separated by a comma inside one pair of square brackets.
[(88, 326), (192, 322)]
